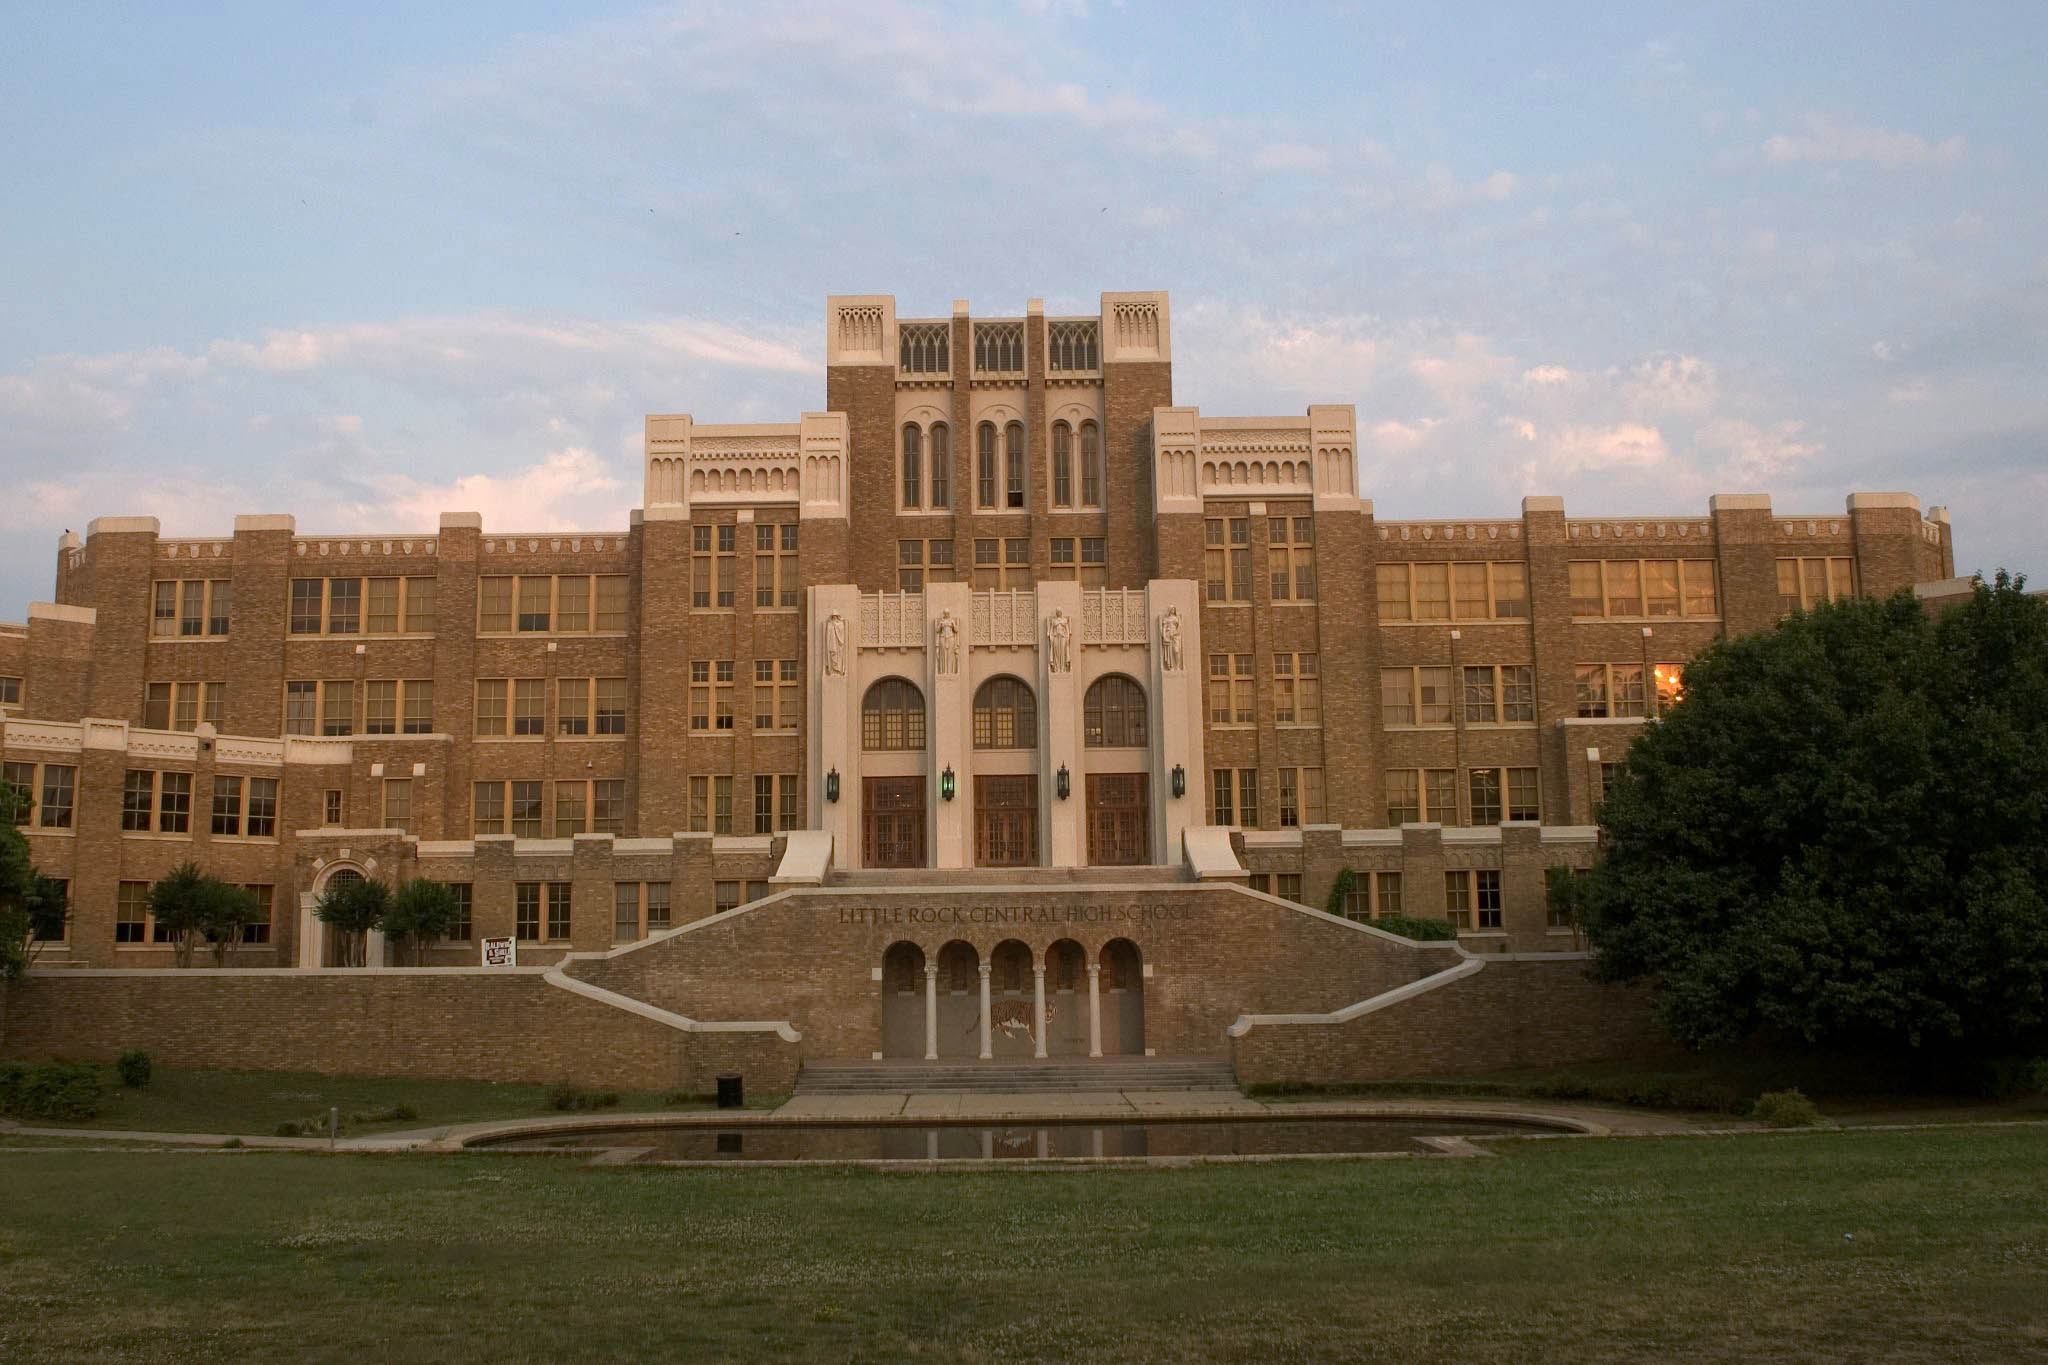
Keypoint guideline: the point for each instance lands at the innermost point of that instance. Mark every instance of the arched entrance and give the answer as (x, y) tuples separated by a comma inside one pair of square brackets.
[(332, 947), (1122, 986), (959, 988), (903, 1001), (1012, 1029), (1066, 999)]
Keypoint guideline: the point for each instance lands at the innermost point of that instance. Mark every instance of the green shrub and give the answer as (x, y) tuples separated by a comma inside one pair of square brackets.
[(1416, 927), (404, 1113), (1785, 1109), (232, 1142), (287, 1129), (134, 1068), (55, 1090)]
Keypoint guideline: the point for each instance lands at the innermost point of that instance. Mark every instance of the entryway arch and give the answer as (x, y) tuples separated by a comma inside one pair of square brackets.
[(1013, 1030), (959, 1000), (1066, 999), (903, 1001), (1122, 988)]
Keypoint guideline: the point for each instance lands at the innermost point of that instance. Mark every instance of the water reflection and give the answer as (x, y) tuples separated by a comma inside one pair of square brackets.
[(982, 1142)]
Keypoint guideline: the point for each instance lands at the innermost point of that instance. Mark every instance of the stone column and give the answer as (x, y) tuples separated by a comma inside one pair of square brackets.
[(1059, 696), (1095, 1009), (1177, 720), (1038, 1009), (986, 1051), (931, 1011), (949, 722)]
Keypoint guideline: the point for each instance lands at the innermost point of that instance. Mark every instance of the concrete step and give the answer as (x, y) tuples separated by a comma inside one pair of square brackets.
[(998, 878), (1021, 1076)]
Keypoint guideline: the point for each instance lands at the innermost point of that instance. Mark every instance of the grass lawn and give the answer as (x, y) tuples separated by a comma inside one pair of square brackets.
[(256, 1102), (1843, 1245)]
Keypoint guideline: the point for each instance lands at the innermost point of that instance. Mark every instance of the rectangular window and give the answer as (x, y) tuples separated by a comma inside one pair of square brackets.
[(156, 706), (572, 603), (571, 816), (612, 599), (558, 910), (625, 911), (1386, 890), (775, 579), (700, 805), (723, 573), (1523, 800), (227, 805), (492, 700), (344, 606), (1094, 562), (381, 615), (1291, 558), (138, 799), (910, 566), (330, 807), (1610, 690), (1416, 696), (21, 785), (465, 912), (526, 911), (536, 605), (1231, 700), (1486, 896), (131, 912), (337, 708), (775, 695), (1483, 786), (258, 929), (1422, 796), (494, 604), (1227, 559), (60, 789), (608, 806), (398, 803), (721, 805), (191, 607), (380, 707), (306, 603), (529, 706), (487, 811), (1643, 588), (1806, 583), (1500, 694), (1432, 592), (524, 804), (1297, 690), (775, 801), (1458, 899), (419, 707), (419, 597), (572, 706), (1589, 690), (657, 906), (1301, 797), (261, 808), (10, 691), (1234, 796), (174, 803), (608, 716)]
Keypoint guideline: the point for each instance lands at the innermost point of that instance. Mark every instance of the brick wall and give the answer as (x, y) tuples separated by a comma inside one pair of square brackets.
[(462, 1025), (1512, 1012)]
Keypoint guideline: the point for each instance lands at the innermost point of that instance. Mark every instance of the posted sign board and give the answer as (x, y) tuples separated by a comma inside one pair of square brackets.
[(500, 952)]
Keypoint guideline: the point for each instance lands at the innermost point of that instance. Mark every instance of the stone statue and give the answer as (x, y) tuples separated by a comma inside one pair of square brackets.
[(1059, 643), (1169, 641), (835, 644), (947, 631)]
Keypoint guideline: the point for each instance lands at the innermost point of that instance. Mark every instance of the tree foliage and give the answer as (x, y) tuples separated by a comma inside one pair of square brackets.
[(192, 907), (1838, 835), (421, 912), (33, 908), (354, 906)]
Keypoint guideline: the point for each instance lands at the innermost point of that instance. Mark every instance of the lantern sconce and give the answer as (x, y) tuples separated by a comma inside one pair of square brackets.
[(832, 786), (1180, 780), (946, 784), (1061, 783)]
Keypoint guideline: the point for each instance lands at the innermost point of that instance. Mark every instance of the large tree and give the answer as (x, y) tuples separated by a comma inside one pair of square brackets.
[(1840, 834), (421, 912), (33, 907), (354, 906)]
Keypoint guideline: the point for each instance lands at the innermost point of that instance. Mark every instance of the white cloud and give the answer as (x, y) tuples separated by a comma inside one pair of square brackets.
[(1672, 385), (1828, 141), (1291, 156), (1588, 449), (1756, 456), (1547, 376), (1401, 438), (568, 490)]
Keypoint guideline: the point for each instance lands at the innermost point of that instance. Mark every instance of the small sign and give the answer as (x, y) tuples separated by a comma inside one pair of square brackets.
[(500, 952)]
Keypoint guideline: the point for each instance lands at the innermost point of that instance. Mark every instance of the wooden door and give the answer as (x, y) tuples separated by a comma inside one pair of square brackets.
[(1006, 821), (892, 822), (1119, 823)]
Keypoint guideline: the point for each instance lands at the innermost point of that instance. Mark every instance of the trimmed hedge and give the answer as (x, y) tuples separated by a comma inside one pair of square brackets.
[(54, 1090)]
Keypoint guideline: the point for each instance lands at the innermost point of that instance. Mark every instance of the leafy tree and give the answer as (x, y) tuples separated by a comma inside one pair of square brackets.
[(421, 912), (180, 901), (226, 912), (1838, 835), (1340, 892), (33, 908), (354, 906)]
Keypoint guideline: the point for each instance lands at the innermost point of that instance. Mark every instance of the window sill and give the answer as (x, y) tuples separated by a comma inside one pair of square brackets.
[(187, 639), (513, 634), (156, 836), (1647, 620), (511, 739), (56, 831), (1435, 729), (588, 739), (328, 638)]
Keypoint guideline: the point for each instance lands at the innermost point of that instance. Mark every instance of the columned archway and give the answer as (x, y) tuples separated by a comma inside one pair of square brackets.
[(959, 1000), (1066, 999), (1012, 1001)]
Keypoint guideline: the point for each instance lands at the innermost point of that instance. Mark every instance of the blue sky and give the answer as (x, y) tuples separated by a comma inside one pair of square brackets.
[(368, 268)]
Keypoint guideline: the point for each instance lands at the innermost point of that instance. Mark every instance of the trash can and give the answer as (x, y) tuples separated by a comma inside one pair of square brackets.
[(731, 1091)]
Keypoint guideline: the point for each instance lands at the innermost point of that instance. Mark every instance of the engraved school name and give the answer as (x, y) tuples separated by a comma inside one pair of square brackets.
[(1015, 914)]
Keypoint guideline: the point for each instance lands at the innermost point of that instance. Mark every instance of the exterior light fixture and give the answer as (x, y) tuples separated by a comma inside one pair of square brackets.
[(1180, 780), (1061, 783), (946, 784), (832, 786)]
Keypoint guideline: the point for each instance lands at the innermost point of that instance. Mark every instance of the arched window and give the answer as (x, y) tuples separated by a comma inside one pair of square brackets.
[(942, 464), (1091, 465), (1113, 714), (913, 465), (1013, 465), (892, 716), (985, 465), (1005, 715), (1062, 465)]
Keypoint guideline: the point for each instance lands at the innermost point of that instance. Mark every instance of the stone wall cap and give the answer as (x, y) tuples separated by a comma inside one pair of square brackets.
[(1945, 587), (1873, 502), (122, 526), (462, 521), (1542, 502), (57, 611), (1739, 502)]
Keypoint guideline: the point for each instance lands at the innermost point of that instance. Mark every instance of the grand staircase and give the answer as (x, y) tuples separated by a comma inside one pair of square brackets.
[(1054, 1076)]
